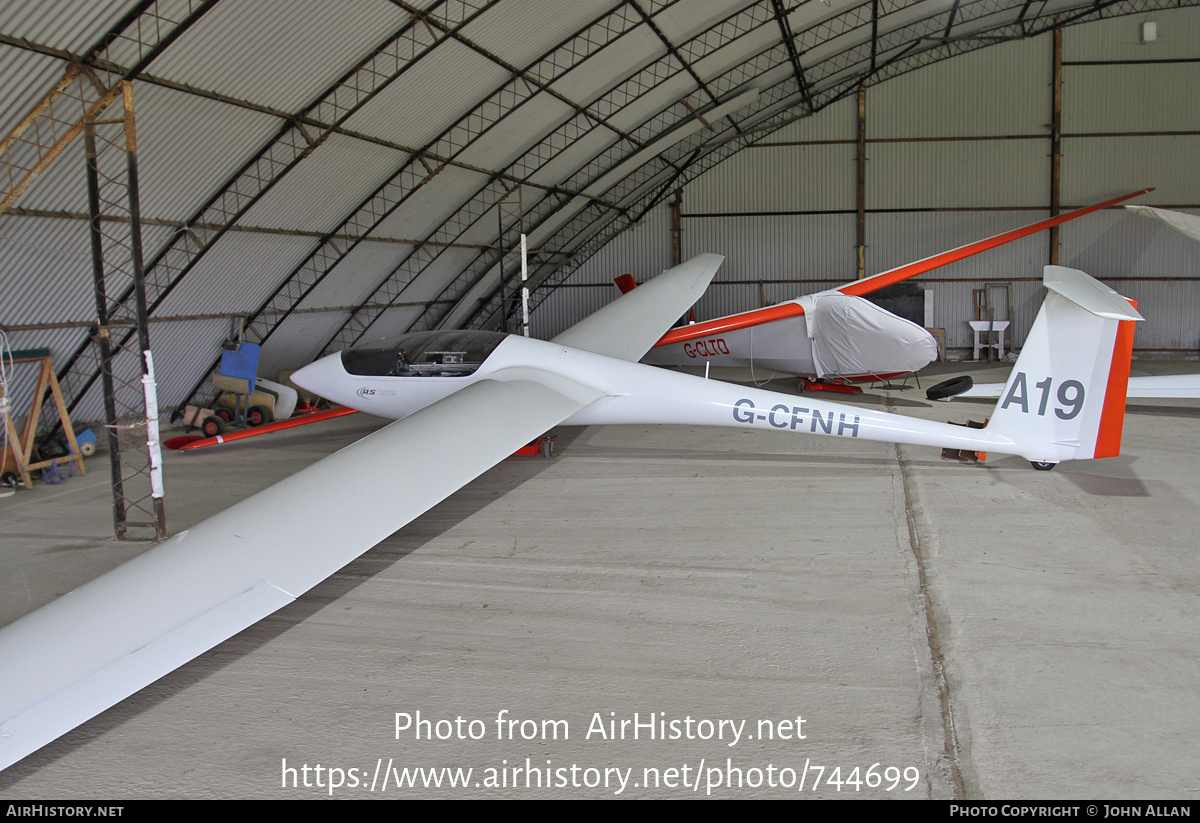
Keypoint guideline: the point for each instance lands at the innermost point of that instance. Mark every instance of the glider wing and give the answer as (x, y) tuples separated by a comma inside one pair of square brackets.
[(870, 284), (86, 651), (628, 327)]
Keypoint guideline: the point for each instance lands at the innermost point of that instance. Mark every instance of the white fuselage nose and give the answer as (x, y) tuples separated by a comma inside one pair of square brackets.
[(391, 397)]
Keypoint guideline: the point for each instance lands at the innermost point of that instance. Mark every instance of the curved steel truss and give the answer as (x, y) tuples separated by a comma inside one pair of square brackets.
[(594, 131)]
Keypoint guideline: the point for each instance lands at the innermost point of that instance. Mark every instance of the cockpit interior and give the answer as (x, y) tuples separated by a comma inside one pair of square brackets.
[(423, 354)]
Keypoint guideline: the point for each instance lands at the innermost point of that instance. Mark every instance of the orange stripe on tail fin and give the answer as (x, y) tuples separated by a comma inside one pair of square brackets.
[(1112, 418)]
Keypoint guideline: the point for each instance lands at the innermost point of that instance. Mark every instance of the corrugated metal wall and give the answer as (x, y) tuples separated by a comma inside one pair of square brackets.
[(785, 210), (968, 134)]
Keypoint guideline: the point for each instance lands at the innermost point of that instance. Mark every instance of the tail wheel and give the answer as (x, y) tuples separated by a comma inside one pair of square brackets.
[(257, 416), (1042, 467)]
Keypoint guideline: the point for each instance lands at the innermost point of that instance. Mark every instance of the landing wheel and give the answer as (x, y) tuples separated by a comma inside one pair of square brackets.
[(225, 414), (257, 416), (1042, 467), (211, 426)]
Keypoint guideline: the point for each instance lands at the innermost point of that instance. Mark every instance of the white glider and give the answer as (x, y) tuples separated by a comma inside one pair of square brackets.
[(488, 394), (835, 334)]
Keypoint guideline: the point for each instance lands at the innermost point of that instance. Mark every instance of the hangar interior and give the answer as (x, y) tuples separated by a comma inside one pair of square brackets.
[(329, 174)]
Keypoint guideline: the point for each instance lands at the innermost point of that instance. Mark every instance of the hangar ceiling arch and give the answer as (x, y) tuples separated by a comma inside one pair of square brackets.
[(376, 164)]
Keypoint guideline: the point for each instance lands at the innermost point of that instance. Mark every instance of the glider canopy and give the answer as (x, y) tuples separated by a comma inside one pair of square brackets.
[(423, 354)]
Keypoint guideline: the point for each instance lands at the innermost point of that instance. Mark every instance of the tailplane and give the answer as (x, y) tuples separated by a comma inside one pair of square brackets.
[(1065, 398)]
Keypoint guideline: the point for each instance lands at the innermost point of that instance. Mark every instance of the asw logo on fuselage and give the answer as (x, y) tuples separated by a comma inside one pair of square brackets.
[(1069, 395), (706, 348)]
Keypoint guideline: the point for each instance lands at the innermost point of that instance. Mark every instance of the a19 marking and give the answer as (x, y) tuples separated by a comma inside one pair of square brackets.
[(1070, 395)]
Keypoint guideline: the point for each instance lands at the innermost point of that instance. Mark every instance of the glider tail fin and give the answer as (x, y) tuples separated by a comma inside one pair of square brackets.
[(1065, 398)]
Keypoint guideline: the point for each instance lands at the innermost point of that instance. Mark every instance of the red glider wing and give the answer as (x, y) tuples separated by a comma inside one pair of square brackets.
[(291, 423), (867, 285)]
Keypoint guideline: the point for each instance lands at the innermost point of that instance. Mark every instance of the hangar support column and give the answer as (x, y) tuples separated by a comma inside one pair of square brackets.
[(1056, 144), (110, 142), (126, 366), (861, 183)]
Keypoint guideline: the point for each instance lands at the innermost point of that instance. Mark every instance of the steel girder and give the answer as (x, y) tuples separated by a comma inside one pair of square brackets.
[(677, 60), (126, 368), (290, 145), (523, 85), (789, 40), (589, 223), (591, 228), (856, 64), (872, 54), (121, 55)]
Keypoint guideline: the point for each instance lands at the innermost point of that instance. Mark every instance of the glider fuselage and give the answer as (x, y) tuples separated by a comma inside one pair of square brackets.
[(631, 393)]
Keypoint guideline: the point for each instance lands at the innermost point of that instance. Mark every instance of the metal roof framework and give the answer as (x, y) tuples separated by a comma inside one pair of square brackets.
[(596, 114)]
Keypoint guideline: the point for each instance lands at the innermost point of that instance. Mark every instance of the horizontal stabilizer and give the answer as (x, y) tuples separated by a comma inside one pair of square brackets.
[(1164, 386), (1088, 293)]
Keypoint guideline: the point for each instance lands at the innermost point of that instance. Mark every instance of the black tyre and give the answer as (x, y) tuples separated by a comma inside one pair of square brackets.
[(949, 388), (225, 414), (212, 426), (1042, 467), (257, 416)]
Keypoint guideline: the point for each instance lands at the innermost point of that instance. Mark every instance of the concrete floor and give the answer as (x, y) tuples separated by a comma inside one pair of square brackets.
[(997, 631)]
